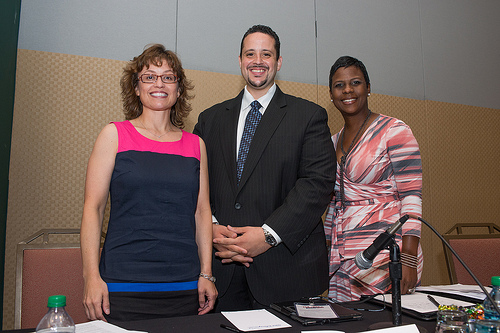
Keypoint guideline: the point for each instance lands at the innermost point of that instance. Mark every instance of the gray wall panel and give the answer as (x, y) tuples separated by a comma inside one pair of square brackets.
[(443, 50), (384, 34), (111, 29), (210, 34), (462, 51)]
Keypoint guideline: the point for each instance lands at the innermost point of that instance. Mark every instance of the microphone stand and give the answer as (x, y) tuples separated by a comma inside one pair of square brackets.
[(396, 274)]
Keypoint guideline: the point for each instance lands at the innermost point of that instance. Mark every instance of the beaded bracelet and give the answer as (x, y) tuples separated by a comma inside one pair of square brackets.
[(210, 278), (409, 260)]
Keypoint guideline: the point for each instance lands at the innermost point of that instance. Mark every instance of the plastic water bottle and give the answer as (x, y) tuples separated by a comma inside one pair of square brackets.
[(489, 310), (56, 319)]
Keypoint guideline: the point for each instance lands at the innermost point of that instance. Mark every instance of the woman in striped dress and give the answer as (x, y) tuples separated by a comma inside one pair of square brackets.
[(379, 179)]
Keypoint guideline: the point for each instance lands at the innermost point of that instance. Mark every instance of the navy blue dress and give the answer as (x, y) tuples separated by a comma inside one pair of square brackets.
[(150, 243)]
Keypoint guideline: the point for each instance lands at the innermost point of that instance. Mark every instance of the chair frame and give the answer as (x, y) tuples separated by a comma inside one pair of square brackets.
[(27, 244), (493, 232)]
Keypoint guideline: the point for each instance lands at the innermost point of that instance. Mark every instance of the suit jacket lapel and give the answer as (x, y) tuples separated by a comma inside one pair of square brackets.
[(270, 121), (227, 137)]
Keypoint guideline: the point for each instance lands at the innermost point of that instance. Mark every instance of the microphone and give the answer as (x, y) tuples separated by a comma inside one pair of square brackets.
[(364, 260)]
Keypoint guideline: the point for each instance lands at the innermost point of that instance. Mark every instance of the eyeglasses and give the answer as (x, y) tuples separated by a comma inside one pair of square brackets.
[(151, 78)]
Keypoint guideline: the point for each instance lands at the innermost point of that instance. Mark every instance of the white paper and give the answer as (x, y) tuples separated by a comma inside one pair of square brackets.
[(99, 326), (254, 320), (420, 303), (471, 291), (323, 311), (322, 331), (397, 329)]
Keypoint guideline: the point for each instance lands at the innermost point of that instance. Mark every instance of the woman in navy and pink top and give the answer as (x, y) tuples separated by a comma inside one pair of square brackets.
[(156, 259)]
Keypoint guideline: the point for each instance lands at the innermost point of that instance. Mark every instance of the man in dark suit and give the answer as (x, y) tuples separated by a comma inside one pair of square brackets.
[(268, 234)]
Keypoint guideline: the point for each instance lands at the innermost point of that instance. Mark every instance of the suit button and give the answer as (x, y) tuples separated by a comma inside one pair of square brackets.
[(237, 205)]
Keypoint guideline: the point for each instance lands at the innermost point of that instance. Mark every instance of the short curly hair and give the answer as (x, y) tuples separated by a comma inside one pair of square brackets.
[(155, 55)]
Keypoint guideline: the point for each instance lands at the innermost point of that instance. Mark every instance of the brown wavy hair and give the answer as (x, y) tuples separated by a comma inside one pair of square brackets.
[(155, 55)]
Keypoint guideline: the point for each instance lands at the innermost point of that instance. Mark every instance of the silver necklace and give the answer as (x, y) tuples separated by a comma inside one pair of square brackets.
[(156, 136)]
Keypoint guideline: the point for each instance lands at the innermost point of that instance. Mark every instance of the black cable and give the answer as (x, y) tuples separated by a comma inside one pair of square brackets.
[(461, 261)]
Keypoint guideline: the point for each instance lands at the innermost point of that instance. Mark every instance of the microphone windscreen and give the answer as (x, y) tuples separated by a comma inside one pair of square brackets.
[(362, 262)]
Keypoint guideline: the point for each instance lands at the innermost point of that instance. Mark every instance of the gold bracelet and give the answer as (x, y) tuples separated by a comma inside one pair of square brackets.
[(210, 278), (409, 260), (409, 257), (408, 265)]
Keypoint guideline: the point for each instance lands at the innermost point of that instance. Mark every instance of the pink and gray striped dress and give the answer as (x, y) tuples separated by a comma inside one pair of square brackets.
[(382, 182)]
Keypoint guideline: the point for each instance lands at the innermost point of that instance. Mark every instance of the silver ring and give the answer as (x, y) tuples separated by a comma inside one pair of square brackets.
[(411, 290)]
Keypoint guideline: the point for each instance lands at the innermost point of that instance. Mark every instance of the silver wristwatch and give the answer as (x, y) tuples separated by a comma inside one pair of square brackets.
[(210, 278), (270, 238)]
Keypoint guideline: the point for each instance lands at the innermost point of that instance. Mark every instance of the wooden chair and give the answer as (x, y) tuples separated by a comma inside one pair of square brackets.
[(478, 245), (45, 269)]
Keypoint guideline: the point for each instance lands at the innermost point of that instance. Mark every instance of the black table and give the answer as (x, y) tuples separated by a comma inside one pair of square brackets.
[(211, 324)]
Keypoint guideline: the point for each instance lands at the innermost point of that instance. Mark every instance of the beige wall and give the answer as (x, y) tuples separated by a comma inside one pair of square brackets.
[(63, 101)]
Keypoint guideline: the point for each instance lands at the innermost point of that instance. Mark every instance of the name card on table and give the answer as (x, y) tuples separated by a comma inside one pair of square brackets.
[(396, 329)]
